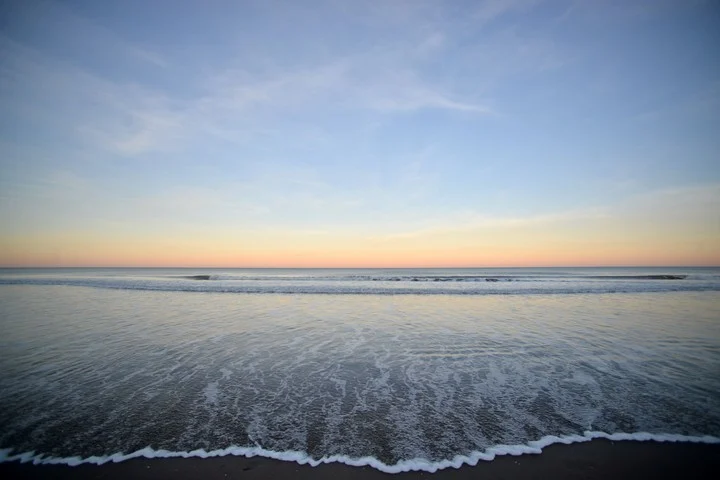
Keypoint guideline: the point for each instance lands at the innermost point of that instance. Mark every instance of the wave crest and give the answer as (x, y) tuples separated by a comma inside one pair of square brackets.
[(415, 464)]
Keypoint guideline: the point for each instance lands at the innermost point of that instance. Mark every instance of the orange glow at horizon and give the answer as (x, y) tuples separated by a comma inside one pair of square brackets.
[(90, 252)]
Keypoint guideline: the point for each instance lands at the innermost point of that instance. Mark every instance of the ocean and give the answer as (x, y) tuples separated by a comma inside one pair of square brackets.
[(399, 369)]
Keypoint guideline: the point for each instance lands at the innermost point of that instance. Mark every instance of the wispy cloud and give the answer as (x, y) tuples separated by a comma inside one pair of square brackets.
[(131, 119), (489, 10), (148, 56), (695, 201), (384, 81), (233, 103), (470, 221), (119, 116), (431, 45), (693, 207)]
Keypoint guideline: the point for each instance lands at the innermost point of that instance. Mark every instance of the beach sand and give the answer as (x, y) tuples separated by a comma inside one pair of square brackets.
[(598, 459)]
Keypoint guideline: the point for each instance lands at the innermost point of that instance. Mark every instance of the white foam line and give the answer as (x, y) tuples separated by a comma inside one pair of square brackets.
[(416, 464)]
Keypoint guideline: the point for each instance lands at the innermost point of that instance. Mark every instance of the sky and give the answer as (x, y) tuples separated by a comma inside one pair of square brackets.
[(345, 133)]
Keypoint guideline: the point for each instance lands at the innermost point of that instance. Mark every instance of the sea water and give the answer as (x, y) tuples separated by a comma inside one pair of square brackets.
[(397, 369)]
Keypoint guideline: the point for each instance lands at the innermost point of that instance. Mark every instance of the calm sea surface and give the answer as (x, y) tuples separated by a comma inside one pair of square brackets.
[(394, 368)]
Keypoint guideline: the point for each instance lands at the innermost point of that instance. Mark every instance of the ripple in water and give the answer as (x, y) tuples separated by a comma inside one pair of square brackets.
[(91, 372)]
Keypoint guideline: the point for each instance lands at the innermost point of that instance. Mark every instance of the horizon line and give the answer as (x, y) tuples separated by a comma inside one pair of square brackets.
[(350, 268)]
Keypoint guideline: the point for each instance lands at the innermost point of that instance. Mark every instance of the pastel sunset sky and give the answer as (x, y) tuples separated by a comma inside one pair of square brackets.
[(357, 133)]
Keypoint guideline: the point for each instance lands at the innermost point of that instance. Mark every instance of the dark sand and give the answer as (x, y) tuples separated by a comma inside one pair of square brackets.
[(599, 459)]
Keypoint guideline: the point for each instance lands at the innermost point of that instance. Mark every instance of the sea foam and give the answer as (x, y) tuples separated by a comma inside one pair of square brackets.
[(395, 383), (389, 285), (415, 464)]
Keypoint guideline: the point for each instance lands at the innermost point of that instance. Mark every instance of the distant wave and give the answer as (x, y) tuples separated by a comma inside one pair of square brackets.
[(452, 278), (637, 277), (391, 287), (509, 278), (415, 464), (438, 278)]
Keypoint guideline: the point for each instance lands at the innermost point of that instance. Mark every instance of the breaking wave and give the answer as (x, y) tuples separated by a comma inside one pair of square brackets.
[(410, 465)]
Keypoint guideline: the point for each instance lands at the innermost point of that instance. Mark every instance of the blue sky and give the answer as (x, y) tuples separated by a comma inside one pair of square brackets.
[(283, 129)]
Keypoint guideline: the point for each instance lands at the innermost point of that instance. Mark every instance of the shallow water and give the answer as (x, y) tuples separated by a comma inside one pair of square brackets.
[(96, 371), (460, 281)]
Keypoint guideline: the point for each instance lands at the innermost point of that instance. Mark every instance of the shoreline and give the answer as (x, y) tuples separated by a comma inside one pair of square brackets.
[(595, 459)]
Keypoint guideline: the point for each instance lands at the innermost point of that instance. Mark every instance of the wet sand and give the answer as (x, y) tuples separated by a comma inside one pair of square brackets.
[(598, 459)]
